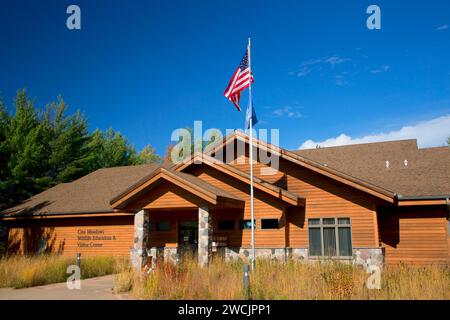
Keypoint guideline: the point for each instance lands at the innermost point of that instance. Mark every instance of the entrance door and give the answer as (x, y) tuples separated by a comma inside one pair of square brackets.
[(188, 237)]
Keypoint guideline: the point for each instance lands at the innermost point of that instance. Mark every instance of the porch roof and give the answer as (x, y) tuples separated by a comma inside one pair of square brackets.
[(191, 184), (288, 197)]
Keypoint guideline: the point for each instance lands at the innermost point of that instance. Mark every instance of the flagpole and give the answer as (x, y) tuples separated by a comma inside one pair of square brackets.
[(251, 160)]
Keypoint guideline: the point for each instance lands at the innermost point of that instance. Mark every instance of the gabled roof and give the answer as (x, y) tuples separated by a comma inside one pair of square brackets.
[(363, 166), (90, 193), (192, 184), (355, 182), (427, 172), (425, 180), (282, 194)]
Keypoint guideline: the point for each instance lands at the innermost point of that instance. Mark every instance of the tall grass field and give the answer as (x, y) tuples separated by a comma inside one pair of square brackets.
[(290, 280), (21, 272), (224, 280)]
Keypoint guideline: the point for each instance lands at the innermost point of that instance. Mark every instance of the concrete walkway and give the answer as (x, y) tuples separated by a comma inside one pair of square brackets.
[(91, 289)]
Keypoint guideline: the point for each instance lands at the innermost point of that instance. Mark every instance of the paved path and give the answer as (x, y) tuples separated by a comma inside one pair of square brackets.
[(91, 289)]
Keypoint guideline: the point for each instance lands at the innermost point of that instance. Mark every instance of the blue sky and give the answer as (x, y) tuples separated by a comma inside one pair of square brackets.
[(148, 67)]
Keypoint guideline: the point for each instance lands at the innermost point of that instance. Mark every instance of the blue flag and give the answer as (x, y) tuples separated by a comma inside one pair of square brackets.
[(250, 114)]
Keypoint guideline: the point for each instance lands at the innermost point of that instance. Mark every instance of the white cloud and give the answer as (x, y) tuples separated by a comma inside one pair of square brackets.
[(286, 111), (444, 27), (303, 72), (336, 60), (311, 65), (428, 133), (312, 62), (384, 68)]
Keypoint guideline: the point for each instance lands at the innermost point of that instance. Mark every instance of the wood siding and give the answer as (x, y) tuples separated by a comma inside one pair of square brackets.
[(168, 196), (328, 198), (324, 198), (414, 235), (88, 236), (265, 206)]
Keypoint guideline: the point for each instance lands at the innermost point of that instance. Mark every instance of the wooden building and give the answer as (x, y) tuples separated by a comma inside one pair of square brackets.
[(372, 203)]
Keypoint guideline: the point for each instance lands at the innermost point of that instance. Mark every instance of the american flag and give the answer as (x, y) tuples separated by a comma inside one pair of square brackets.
[(239, 81)]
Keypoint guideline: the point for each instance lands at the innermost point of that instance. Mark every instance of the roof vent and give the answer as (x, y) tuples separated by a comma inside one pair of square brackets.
[(405, 163), (388, 165), (325, 165)]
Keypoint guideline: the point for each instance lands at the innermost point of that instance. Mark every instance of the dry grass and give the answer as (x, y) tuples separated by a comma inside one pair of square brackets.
[(185, 281), (20, 271), (293, 281)]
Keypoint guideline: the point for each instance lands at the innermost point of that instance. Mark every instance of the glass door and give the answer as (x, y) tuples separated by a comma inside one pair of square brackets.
[(188, 237)]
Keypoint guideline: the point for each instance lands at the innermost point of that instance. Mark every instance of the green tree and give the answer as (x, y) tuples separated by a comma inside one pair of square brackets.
[(25, 151), (109, 149), (67, 138), (196, 144), (5, 172), (448, 141), (4, 152), (147, 155), (41, 148)]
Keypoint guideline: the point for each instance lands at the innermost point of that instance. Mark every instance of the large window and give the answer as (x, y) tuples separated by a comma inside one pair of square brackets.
[(330, 237)]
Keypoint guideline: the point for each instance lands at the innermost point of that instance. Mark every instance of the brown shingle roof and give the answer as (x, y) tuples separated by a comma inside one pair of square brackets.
[(90, 193), (427, 172), (183, 177)]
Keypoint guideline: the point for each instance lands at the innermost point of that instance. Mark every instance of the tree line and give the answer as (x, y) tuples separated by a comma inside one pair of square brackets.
[(41, 147)]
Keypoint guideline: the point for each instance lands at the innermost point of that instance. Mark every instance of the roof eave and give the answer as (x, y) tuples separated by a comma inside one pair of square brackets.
[(422, 200)]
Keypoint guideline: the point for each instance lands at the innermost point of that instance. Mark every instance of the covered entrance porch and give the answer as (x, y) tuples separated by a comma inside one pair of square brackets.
[(176, 233), (174, 214)]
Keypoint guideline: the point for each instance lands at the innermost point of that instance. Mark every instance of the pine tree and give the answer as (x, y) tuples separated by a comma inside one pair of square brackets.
[(67, 138), (24, 141), (39, 149), (110, 149)]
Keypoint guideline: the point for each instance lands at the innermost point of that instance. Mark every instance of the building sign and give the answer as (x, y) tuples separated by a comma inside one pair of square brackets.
[(93, 238)]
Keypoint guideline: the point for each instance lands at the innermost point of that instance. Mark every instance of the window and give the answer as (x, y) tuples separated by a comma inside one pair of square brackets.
[(226, 225), (246, 224), (330, 237), (163, 226), (269, 223)]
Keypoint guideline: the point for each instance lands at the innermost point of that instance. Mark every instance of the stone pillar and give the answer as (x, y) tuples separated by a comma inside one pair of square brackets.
[(139, 251), (204, 236)]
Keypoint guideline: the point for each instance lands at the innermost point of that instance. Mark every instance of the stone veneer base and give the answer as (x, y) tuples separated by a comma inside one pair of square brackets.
[(361, 256)]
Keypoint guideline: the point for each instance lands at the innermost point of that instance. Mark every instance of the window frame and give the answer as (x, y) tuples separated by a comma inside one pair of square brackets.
[(336, 226)]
